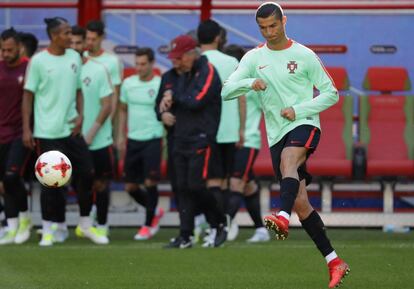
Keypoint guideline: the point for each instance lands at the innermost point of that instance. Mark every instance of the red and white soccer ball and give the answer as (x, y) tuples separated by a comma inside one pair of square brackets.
[(53, 169)]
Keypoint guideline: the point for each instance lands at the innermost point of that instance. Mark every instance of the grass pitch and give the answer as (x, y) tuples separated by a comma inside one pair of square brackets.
[(377, 260)]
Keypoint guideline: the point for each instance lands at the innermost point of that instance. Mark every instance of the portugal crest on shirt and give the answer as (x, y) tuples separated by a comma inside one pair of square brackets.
[(87, 81), (74, 67), (292, 66), (151, 93)]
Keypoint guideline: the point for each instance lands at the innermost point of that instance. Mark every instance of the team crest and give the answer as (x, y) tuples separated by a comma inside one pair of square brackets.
[(20, 79), (151, 93), (74, 67), (292, 66), (87, 81)]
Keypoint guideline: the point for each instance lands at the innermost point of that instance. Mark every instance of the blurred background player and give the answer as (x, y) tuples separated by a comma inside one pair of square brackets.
[(97, 131), (13, 155), (242, 179), (29, 44), (197, 106), (293, 131), (51, 89), (143, 148), (95, 34), (78, 39), (210, 35)]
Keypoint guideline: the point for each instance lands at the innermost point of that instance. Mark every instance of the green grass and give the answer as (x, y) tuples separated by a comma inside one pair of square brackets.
[(377, 260)]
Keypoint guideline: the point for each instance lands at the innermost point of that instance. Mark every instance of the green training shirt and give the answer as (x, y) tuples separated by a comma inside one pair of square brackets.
[(225, 65), (112, 64), (54, 81), (96, 84), (140, 98), (252, 136), (290, 75)]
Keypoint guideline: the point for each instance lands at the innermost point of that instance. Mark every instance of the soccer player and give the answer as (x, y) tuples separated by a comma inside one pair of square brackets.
[(197, 108), (50, 91), (29, 44), (284, 74), (242, 181), (95, 33), (209, 35), (97, 91), (78, 39), (13, 155), (143, 153)]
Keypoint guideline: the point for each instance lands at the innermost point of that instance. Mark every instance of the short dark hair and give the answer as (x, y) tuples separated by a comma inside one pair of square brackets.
[(52, 24), (79, 31), (207, 31), (268, 9), (145, 51), (10, 33), (96, 26), (29, 42), (234, 50)]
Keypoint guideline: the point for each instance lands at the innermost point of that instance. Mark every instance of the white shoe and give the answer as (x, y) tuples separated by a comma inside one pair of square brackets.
[(60, 235), (209, 239), (23, 233), (8, 237), (233, 232), (260, 235), (94, 235), (47, 240)]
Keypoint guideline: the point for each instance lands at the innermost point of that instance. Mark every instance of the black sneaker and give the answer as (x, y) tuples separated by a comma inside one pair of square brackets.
[(221, 235), (179, 243)]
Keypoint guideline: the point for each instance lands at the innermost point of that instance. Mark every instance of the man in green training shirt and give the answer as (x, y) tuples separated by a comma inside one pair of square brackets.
[(52, 83), (284, 74), (143, 150), (242, 182), (95, 33), (209, 34), (97, 92)]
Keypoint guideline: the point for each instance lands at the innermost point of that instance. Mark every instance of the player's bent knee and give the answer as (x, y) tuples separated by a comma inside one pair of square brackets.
[(130, 187), (100, 185), (150, 182), (237, 185), (213, 183)]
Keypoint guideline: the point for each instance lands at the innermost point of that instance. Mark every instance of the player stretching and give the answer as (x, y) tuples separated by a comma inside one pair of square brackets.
[(284, 73)]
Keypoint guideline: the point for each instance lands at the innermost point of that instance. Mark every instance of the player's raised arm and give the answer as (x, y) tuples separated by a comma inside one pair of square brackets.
[(240, 81), (328, 94)]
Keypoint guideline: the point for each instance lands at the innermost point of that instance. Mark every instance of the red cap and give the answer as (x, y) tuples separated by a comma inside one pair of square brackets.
[(181, 45)]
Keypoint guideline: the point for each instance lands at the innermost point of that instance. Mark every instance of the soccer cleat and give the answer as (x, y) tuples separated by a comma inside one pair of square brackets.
[(278, 224), (8, 237), (338, 270), (143, 234), (221, 235), (233, 231), (92, 234), (103, 230), (79, 232), (155, 223), (260, 235), (23, 233), (60, 235), (47, 240), (209, 239), (200, 227), (179, 243)]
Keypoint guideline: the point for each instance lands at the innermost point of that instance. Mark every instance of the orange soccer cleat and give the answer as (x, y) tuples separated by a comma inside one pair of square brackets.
[(338, 270), (278, 224)]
